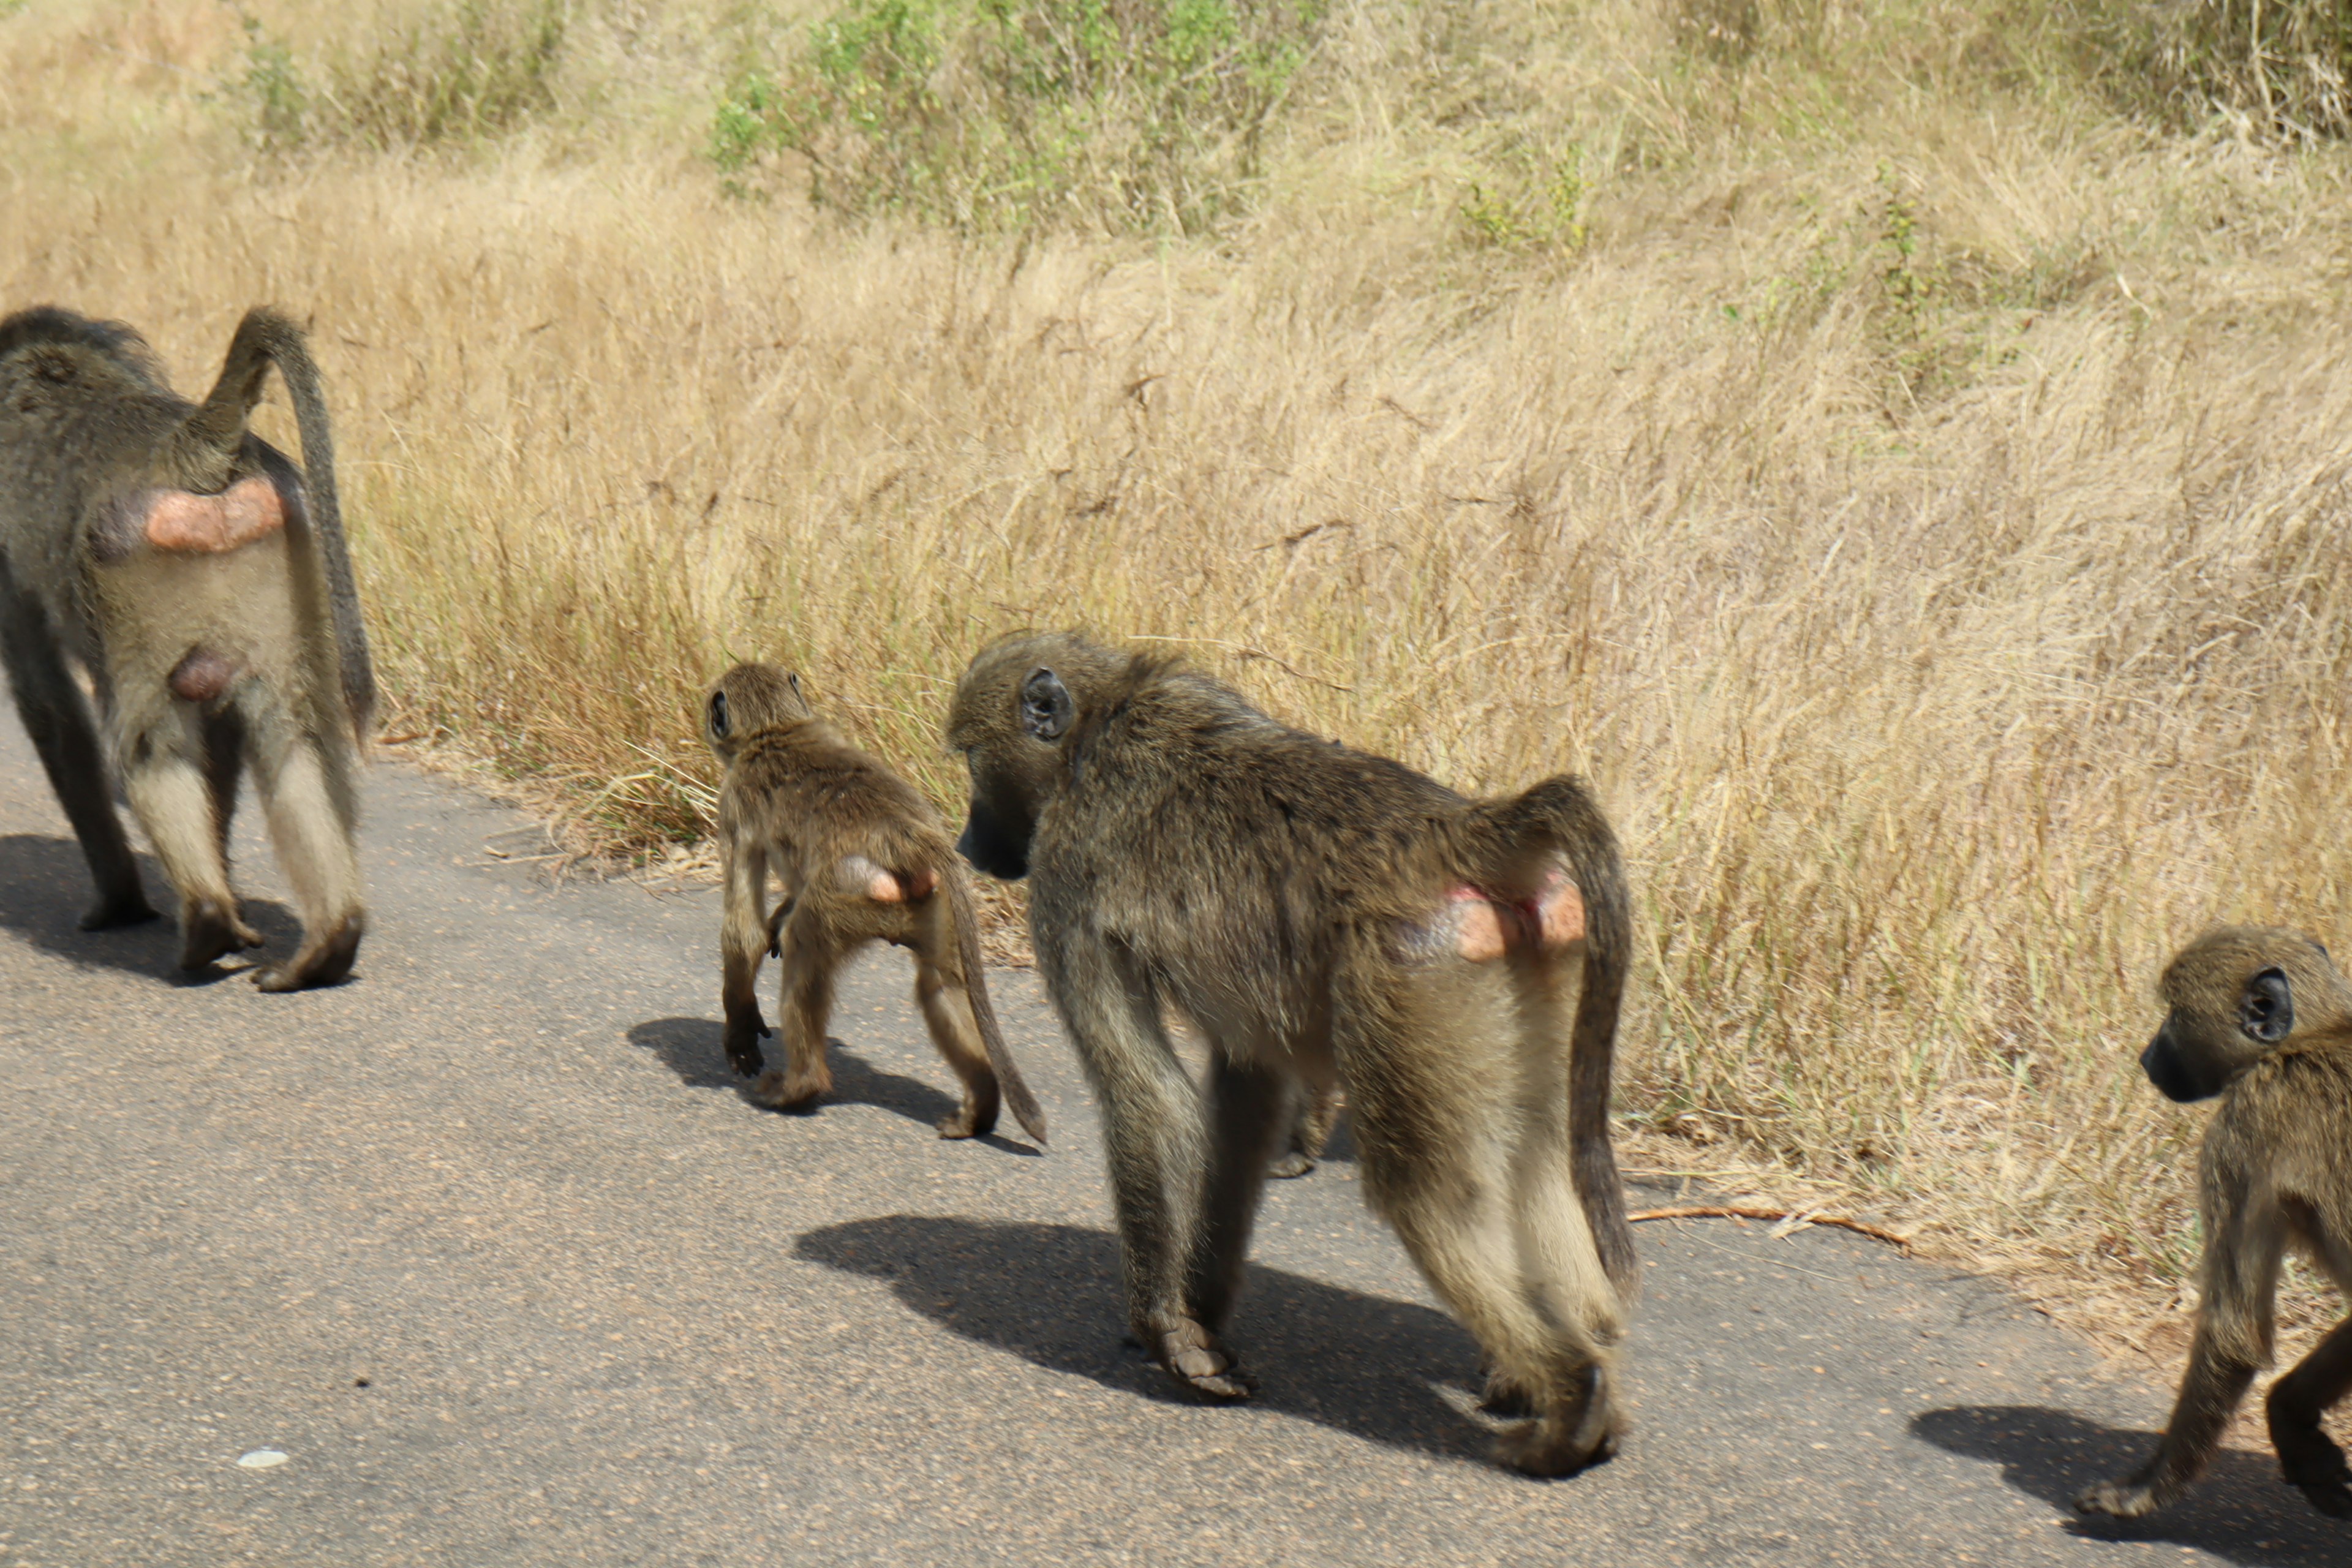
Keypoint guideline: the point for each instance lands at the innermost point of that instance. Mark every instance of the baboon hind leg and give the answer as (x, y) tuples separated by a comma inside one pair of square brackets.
[(309, 815), (940, 991), (2310, 1460), (1311, 1129), (224, 763), (1482, 1197), (173, 801), (804, 998), (58, 718)]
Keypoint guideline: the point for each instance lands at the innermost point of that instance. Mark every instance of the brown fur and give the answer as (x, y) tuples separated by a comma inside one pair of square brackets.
[(201, 580), (1293, 901), (863, 857), (2262, 1018)]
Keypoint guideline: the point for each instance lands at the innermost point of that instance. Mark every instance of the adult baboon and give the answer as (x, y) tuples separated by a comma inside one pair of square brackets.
[(200, 580), (1320, 914), (863, 857), (2262, 1018)]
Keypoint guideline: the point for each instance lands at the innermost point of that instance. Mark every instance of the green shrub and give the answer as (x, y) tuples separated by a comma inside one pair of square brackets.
[(458, 73), (991, 115)]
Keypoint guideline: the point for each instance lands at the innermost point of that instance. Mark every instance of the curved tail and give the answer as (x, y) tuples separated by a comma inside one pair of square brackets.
[(1512, 839), (1024, 1104), (214, 435)]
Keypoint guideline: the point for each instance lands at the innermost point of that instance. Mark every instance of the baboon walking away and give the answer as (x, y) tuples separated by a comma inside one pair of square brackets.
[(199, 580), (1320, 915), (863, 857)]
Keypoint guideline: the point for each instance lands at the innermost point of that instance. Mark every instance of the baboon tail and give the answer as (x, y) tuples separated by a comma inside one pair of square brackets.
[(1015, 1088), (216, 431), (1561, 817)]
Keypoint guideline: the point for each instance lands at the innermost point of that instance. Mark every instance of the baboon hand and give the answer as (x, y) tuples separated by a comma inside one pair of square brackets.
[(2131, 1498), (1191, 1352), (2315, 1467), (745, 1030)]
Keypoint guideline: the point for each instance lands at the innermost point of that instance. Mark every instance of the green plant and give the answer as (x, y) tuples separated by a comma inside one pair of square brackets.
[(993, 115), (1531, 204), (273, 88)]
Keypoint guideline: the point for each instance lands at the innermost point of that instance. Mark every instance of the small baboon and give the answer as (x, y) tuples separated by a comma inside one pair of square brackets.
[(2262, 1018), (1321, 916), (200, 582), (863, 857)]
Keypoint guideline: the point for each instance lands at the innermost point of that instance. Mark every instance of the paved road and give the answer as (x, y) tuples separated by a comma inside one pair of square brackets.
[(489, 1243)]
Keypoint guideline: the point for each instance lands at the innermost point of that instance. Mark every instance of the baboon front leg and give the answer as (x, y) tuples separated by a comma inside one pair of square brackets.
[(947, 1013), (1249, 1111), (58, 719), (2209, 1394), (312, 835), (174, 805), (2311, 1461), (1153, 1135), (805, 999)]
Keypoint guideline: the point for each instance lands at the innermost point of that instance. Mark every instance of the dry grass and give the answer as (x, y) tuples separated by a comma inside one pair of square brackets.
[(1912, 494)]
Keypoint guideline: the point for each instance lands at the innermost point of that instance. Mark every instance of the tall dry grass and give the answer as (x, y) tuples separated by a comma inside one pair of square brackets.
[(1911, 492)]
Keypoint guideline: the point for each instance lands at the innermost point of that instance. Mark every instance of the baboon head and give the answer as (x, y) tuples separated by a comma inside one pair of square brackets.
[(2236, 994), (1017, 711), (749, 699)]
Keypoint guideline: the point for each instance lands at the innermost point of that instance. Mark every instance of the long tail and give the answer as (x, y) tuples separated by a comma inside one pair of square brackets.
[(1561, 817), (210, 442), (1015, 1088)]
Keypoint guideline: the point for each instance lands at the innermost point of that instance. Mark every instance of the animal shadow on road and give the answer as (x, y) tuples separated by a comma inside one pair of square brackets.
[(2241, 1511), (692, 1047), (44, 886), (1049, 1293)]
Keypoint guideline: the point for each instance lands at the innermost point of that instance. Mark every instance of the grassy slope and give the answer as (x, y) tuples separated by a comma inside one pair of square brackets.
[(1913, 500)]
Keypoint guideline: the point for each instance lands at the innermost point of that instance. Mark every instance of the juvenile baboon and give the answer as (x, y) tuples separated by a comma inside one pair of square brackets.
[(200, 581), (2262, 1018), (1320, 915), (863, 857)]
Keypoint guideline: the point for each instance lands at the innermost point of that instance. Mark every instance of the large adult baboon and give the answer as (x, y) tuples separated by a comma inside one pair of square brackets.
[(200, 581), (1320, 914), (2262, 1018)]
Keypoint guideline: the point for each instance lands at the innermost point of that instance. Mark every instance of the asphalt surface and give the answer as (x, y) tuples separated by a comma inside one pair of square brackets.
[(489, 1243)]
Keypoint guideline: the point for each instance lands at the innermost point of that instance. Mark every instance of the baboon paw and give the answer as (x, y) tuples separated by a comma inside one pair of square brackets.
[(320, 963), (786, 1092), (1190, 1354), (1290, 1165), (116, 912), (1505, 1398), (2315, 1467), (2119, 1499), (1542, 1448), (212, 933)]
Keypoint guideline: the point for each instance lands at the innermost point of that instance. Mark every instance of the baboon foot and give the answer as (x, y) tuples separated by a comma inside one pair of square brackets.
[(120, 909), (791, 1091), (1506, 1398), (2131, 1498), (976, 1119), (1191, 1354), (210, 928), (1287, 1166), (2315, 1467), (1575, 1437), (320, 962)]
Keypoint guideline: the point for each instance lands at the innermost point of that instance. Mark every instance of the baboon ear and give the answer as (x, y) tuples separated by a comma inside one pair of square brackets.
[(1046, 706), (2267, 1013), (719, 714)]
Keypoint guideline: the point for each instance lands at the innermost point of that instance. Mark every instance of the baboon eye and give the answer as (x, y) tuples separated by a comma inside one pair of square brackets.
[(718, 713), (2267, 1014), (1046, 706)]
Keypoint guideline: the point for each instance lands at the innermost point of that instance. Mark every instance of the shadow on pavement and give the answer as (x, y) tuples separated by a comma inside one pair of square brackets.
[(1049, 1293), (691, 1048), (2241, 1511), (45, 888)]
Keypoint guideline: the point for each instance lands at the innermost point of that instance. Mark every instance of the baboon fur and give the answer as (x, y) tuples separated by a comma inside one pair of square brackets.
[(200, 581), (863, 857), (1321, 916), (2262, 1018)]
